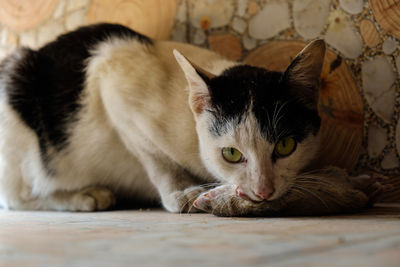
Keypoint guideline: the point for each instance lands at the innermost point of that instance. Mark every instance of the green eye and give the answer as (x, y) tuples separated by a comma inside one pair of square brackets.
[(285, 147), (232, 155)]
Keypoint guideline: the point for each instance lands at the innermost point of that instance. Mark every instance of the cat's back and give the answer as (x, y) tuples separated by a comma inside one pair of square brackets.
[(50, 90), (44, 86)]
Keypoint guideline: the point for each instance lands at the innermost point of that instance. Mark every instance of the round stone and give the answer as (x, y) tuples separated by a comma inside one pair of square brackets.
[(252, 8), (179, 33), (270, 20), (310, 17), (352, 6), (181, 12), (342, 35), (389, 46), (390, 161), (377, 78), (241, 7), (249, 43), (199, 37), (376, 140), (239, 25), (219, 12)]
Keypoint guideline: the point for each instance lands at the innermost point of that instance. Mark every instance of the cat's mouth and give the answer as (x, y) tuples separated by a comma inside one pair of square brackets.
[(248, 194), (251, 196)]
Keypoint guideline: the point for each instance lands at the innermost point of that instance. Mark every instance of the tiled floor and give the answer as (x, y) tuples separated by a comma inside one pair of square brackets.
[(157, 238)]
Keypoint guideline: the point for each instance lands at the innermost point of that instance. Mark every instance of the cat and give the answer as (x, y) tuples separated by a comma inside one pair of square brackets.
[(104, 112)]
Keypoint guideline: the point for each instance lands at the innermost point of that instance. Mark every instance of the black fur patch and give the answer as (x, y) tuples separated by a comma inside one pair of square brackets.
[(278, 112), (46, 84)]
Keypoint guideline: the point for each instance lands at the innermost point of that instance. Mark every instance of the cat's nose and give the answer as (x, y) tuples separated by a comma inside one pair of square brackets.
[(265, 192)]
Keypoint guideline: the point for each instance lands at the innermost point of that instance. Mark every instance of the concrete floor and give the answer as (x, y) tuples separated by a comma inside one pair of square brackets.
[(157, 238)]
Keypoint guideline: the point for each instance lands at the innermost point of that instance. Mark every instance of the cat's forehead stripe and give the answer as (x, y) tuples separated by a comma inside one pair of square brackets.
[(243, 89)]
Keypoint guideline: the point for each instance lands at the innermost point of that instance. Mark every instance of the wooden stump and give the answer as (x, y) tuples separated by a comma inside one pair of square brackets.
[(22, 15), (153, 18), (387, 14), (340, 104), (369, 33), (226, 45)]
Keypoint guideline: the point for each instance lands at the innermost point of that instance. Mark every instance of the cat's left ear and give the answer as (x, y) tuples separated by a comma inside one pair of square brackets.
[(304, 73), (197, 77)]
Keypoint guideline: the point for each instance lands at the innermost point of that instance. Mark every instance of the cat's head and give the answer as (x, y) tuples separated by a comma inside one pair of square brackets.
[(257, 128)]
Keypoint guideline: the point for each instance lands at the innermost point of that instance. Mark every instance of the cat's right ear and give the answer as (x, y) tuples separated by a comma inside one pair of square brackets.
[(197, 77), (304, 73)]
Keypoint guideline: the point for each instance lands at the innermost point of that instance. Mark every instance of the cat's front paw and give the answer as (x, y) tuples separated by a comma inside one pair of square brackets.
[(371, 185), (223, 201), (182, 201), (93, 198)]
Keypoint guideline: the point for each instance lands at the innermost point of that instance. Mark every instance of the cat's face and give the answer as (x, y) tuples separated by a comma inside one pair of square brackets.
[(257, 128)]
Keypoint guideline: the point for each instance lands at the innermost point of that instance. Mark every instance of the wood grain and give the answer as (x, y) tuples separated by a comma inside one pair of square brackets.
[(369, 33), (387, 14), (226, 45), (153, 18), (22, 15)]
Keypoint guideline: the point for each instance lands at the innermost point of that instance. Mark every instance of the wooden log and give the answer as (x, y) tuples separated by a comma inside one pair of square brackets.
[(340, 104), (153, 18), (227, 45), (22, 15), (387, 14), (369, 33)]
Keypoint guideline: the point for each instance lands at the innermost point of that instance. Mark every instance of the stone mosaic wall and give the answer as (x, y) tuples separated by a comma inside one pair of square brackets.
[(364, 34)]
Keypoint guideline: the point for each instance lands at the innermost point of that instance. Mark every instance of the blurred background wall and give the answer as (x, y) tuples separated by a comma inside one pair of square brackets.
[(361, 86)]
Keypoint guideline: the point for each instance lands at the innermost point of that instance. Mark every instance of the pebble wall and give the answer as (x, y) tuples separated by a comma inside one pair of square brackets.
[(365, 34)]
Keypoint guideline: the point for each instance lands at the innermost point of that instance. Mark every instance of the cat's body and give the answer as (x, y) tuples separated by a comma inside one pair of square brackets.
[(104, 111)]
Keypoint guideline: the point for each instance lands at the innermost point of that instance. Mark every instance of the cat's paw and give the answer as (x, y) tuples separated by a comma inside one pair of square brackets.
[(93, 199), (223, 201), (182, 201), (371, 185)]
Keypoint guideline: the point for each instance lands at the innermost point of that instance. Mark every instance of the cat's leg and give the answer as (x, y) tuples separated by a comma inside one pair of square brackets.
[(94, 198), (373, 185), (17, 194), (19, 177), (176, 187), (24, 183)]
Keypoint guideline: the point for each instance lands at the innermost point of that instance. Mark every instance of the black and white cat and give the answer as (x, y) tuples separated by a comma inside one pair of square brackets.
[(104, 111)]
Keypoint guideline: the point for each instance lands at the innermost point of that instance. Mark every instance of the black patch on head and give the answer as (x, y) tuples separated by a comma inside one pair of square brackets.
[(45, 85), (278, 112)]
